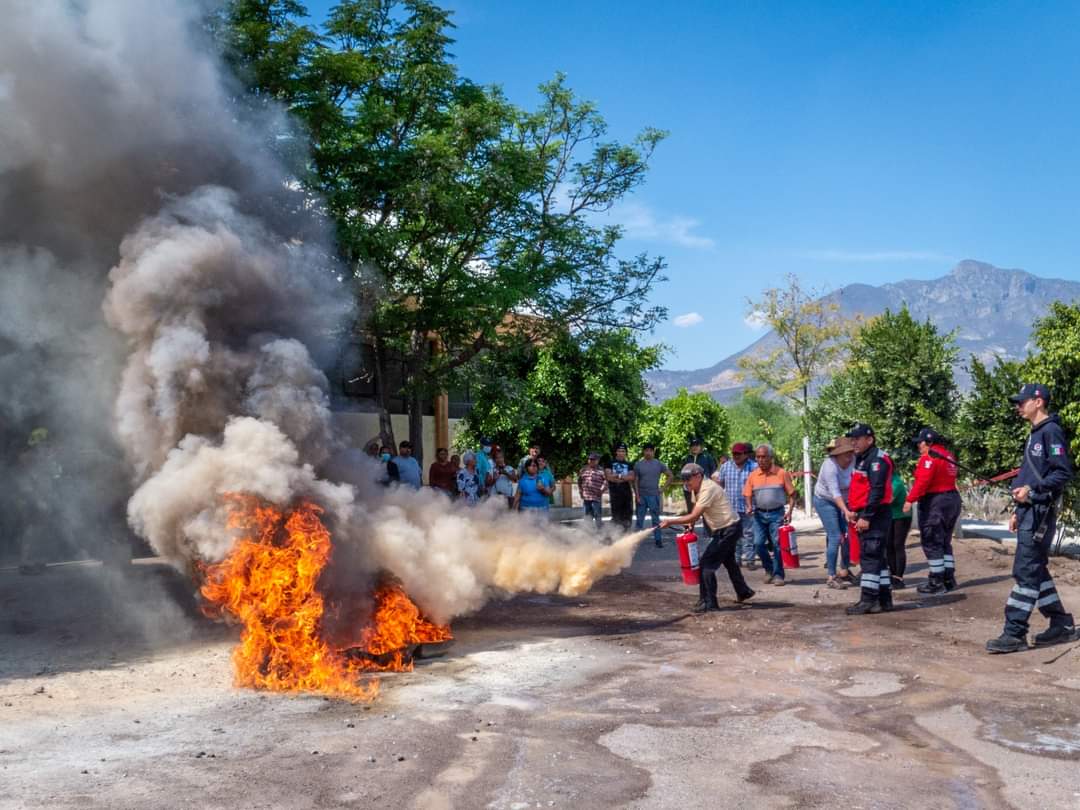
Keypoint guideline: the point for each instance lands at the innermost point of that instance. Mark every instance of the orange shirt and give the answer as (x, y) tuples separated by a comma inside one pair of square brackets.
[(772, 487)]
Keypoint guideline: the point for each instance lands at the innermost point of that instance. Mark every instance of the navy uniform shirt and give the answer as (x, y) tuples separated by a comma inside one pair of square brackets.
[(1046, 467)]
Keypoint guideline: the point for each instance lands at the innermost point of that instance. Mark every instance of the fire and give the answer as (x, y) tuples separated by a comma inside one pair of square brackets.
[(269, 583)]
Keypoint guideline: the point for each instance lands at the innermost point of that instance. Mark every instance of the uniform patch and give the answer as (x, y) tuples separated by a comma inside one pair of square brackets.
[(1036, 449), (928, 464), (1057, 450), (875, 466)]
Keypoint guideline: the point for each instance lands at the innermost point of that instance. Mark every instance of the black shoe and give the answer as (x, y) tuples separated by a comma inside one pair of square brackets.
[(898, 584), (863, 606), (700, 603), (885, 600), (1057, 634), (1006, 644), (950, 581), (702, 607), (746, 596), (934, 585)]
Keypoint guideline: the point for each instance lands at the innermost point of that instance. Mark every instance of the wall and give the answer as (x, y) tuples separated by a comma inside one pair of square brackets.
[(360, 428)]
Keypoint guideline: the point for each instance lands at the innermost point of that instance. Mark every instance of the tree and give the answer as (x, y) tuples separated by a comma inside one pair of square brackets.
[(472, 211), (758, 420), (987, 433), (569, 396), (898, 378), (673, 422), (811, 337)]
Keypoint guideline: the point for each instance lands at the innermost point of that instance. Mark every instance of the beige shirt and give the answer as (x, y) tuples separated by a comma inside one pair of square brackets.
[(717, 510)]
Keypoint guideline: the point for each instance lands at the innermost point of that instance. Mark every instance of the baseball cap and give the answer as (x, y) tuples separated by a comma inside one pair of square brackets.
[(741, 447), (928, 435), (858, 430), (695, 440), (690, 470), (620, 446), (594, 455), (1030, 391), (485, 442)]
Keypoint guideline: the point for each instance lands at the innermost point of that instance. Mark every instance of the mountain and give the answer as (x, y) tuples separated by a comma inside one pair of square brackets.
[(991, 309)]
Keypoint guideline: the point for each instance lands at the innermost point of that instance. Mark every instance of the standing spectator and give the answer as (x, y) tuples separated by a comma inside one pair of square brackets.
[(389, 474), (408, 467), (697, 455), (722, 524), (442, 474), (546, 475), (532, 495), (484, 465), (371, 449), (732, 477), (896, 547), (830, 502), (591, 484), (647, 474), (620, 478), (767, 489), (455, 460), (534, 453), (468, 480), (505, 478)]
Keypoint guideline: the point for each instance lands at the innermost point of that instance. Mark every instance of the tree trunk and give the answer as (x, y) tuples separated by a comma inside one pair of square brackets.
[(414, 373), (386, 425)]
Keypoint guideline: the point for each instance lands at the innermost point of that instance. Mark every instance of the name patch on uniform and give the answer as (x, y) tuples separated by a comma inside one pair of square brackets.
[(1036, 449), (1057, 450)]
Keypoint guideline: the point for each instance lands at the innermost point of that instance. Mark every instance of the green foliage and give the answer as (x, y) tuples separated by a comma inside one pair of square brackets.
[(570, 396), (757, 420), (898, 379), (478, 216), (811, 337), (673, 422), (987, 433)]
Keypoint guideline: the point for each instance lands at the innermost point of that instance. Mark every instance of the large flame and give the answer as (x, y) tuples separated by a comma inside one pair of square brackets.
[(269, 582)]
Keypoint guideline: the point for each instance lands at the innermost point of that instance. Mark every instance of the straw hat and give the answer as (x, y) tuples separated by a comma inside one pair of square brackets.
[(840, 446)]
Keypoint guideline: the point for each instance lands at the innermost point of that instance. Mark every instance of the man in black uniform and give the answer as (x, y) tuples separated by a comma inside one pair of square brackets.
[(869, 499), (1045, 471)]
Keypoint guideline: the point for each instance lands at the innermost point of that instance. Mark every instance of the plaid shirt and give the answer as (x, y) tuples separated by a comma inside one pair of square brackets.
[(732, 479), (592, 483)]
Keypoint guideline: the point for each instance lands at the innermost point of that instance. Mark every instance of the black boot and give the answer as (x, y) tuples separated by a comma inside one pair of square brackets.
[(868, 603), (706, 607), (934, 585), (1057, 634), (950, 579), (885, 599), (1006, 644)]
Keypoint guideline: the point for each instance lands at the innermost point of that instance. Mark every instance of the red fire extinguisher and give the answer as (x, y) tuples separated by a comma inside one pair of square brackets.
[(853, 544), (688, 557), (789, 549)]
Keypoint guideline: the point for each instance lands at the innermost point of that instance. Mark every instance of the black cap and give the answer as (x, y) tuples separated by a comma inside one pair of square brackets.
[(620, 446), (648, 446), (695, 440), (485, 441), (860, 429), (1030, 391), (928, 435)]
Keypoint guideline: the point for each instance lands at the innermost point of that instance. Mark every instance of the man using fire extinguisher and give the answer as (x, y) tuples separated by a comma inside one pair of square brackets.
[(724, 528), (869, 502), (935, 491)]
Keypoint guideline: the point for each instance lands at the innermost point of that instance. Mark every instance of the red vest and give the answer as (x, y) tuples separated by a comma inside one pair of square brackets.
[(859, 493)]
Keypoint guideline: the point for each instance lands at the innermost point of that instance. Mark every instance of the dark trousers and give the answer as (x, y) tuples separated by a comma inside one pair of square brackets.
[(876, 578), (1034, 586), (938, 514), (622, 505), (721, 552), (896, 550)]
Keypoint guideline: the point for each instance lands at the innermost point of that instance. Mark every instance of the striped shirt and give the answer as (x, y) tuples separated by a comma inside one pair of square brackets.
[(592, 483), (733, 478)]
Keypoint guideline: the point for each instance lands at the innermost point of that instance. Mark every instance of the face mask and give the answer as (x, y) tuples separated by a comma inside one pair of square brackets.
[(385, 456), (486, 450)]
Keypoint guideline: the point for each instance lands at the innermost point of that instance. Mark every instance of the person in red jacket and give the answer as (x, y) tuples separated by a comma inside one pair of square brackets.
[(869, 508), (934, 490)]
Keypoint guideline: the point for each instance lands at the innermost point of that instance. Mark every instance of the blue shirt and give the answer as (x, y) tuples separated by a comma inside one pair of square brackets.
[(733, 480), (531, 496), (547, 478), (409, 470)]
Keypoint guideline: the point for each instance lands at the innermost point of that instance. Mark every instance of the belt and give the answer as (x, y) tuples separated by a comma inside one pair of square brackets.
[(770, 511)]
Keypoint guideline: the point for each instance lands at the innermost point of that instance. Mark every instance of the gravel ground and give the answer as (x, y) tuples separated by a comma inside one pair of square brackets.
[(113, 696)]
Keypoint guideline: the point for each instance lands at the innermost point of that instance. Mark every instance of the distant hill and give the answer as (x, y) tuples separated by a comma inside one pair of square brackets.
[(992, 310)]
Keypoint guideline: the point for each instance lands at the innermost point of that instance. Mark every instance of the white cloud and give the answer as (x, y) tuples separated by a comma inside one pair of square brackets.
[(755, 320), (689, 319), (641, 222), (835, 255)]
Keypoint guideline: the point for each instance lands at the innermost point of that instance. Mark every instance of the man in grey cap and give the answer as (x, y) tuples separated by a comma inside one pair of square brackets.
[(711, 505)]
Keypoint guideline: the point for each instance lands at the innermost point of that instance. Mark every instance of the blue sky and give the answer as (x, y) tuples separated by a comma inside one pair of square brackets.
[(842, 142)]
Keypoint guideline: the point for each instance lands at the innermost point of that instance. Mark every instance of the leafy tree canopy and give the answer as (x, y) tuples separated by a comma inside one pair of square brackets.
[(898, 379), (758, 420), (673, 422)]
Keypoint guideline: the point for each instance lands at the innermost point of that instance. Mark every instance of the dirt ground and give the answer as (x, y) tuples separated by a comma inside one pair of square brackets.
[(620, 698)]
